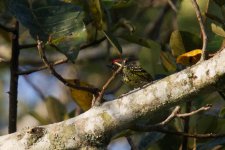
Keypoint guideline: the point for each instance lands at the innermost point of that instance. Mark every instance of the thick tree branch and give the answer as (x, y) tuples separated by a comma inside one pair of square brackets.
[(94, 128)]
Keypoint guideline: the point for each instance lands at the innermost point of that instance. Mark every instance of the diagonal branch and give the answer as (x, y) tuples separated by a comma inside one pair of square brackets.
[(98, 100), (58, 76), (173, 115)]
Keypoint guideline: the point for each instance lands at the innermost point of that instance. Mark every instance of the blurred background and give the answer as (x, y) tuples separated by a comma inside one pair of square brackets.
[(145, 35)]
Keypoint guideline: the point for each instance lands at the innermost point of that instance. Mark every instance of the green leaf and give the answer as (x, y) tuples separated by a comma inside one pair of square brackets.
[(56, 110), (218, 30), (113, 41), (176, 44), (215, 43), (168, 61), (60, 21), (150, 59), (95, 11), (181, 42)]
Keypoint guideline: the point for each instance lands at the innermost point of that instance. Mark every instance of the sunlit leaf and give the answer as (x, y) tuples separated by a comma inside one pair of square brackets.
[(176, 44), (218, 30), (190, 58), (186, 17), (167, 62), (82, 98), (181, 42), (95, 11), (113, 41)]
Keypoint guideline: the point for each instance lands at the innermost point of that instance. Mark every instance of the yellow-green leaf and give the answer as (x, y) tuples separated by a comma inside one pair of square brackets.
[(190, 57), (167, 62), (82, 98), (96, 13), (218, 30), (56, 110)]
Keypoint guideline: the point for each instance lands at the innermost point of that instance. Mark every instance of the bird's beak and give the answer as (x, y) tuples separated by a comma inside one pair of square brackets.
[(117, 64)]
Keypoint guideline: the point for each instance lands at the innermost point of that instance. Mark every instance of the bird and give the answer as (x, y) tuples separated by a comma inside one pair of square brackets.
[(133, 74)]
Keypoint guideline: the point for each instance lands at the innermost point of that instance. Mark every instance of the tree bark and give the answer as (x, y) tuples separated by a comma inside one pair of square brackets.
[(94, 128)]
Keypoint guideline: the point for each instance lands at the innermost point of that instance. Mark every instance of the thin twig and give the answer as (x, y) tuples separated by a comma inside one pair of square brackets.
[(26, 72), (57, 62), (169, 118), (172, 5), (202, 28), (205, 108), (99, 99), (13, 93), (159, 127), (174, 114), (58, 76)]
